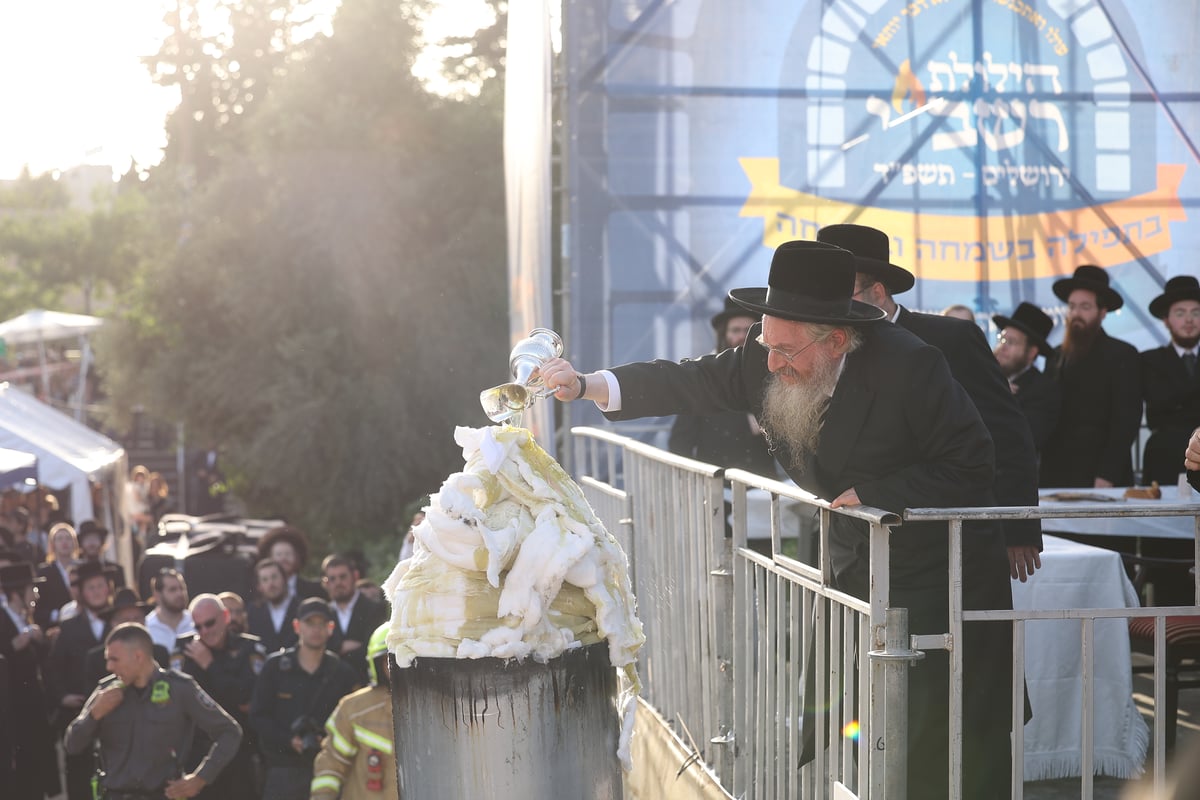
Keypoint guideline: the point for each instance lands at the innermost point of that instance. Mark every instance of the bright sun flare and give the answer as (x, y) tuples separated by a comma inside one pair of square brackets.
[(76, 92)]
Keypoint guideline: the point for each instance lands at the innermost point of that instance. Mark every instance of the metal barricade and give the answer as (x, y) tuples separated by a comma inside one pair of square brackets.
[(732, 634), (1087, 617)]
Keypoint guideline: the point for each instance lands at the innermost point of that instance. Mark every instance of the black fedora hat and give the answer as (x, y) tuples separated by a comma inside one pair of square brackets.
[(18, 576), (809, 282), (124, 598), (89, 528), (872, 254), (1181, 287), (90, 569), (1094, 279), (730, 311), (1030, 320)]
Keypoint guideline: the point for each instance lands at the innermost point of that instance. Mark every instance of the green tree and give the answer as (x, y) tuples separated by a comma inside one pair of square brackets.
[(338, 298)]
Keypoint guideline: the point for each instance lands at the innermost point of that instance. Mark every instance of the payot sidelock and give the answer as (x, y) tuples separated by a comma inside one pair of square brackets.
[(502, 403)]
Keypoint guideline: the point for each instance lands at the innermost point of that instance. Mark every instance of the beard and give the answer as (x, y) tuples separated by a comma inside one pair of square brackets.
[(792, 413), (1078, 339), (1186, 342)]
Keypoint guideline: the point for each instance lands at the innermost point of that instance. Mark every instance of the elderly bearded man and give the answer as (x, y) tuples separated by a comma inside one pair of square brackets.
[(861, 413)]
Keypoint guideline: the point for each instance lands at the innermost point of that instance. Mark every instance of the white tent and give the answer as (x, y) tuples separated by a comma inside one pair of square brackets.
[(68, 454), (40, 326), (46, 326), (17, 468)]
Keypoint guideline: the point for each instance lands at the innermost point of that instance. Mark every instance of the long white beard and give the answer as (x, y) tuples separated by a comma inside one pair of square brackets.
[(792, 413)]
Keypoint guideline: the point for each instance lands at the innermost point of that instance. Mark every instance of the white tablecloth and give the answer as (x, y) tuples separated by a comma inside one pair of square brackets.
[(1078, 576), (1155, 527)]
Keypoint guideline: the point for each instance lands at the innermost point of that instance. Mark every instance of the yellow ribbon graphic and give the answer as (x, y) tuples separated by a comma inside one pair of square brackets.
[(969, 248)]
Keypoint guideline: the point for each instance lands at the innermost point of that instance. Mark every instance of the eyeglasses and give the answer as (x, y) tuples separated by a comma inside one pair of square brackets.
[(1183, 313), (786, 356), (205, 625)]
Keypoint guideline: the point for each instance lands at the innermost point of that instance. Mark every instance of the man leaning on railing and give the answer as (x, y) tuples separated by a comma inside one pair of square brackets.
[(864, 413)]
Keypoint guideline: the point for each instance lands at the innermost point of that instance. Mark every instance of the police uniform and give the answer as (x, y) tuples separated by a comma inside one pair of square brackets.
[(284, 693), (229, 680), (358, 758), (144, 739)]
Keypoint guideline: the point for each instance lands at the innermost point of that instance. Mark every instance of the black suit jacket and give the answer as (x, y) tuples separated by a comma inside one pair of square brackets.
[(306, 588), (258, 620), (1040, 401), (974, 366), (25, 716), (52, 595), (1172, 413), (364, 619), (67, 666), (899, 430), (724, 440), (1101, 414)]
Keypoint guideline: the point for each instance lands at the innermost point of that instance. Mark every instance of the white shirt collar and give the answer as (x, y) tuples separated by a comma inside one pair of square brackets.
[(1181, 352)]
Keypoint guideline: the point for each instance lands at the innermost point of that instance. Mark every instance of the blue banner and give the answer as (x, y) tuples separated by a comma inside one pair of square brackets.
[(1000, 143)]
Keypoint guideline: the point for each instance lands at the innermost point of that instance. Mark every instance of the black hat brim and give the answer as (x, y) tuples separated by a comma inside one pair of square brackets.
[(105, 613), (898, 280), (1033, 336), (1161, 305), (755, 299), (1108, 296), (720, 319)]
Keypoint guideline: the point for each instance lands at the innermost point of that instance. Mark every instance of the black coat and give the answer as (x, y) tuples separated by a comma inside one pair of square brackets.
[(1040, 401), (67, 667), (1172, 413), (903, 434), (258, 621), (724, 440), (974, 366), (364, 619), (52, 595), (1101, 414), (36, 769), (306, 588)]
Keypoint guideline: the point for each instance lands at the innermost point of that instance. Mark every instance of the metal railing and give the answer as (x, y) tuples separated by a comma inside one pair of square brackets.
[(731, 634), (1087, 617)]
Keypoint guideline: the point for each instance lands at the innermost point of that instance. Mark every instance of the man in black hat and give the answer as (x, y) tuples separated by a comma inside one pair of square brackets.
[(67, 665), (972, 364), (1171, 381), (730, 438), (91, 548), (859, 412), (1022, 340), (23, 647), (1101, 390)]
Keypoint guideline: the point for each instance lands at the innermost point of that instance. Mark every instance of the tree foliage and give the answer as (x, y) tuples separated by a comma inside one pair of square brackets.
[(328, 296)]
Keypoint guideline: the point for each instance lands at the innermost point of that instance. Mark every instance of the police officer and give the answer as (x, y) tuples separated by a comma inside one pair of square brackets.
[(225, 664), (358, 759), (293, 697), (143, 717)]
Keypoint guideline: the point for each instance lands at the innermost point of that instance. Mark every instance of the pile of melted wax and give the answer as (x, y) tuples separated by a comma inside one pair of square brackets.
[(511, 562)]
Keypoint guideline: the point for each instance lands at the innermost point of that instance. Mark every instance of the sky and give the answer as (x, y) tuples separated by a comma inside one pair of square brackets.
[(75, 90)]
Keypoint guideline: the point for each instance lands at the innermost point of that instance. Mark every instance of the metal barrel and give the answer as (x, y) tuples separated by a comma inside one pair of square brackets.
[(489, 727)]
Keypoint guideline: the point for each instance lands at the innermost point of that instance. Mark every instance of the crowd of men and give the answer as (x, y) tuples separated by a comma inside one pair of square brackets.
[(212, 695)]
